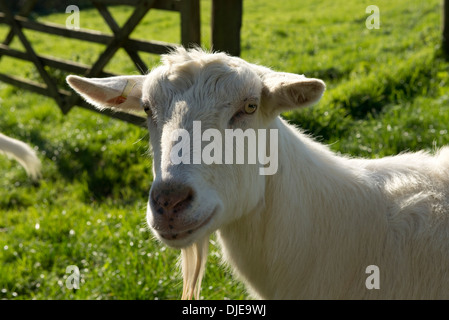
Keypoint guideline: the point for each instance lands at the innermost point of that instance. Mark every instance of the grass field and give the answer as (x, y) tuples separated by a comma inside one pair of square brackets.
[(387, 92)]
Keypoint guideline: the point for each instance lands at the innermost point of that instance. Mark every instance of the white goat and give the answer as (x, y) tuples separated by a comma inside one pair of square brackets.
[(23, 154), (310, 230)]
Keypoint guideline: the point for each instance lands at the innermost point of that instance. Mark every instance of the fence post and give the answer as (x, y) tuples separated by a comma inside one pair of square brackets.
[(190, 23), (445, 40), (226, 24)]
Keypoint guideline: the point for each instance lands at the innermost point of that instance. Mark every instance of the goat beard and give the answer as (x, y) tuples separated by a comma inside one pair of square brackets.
[(193, 265)]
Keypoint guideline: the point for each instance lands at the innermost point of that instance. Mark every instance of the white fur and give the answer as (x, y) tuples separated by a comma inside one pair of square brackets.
[(22, 153), (310, 230)]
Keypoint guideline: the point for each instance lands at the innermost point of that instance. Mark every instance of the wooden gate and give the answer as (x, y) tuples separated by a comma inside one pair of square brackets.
[(190, 34)]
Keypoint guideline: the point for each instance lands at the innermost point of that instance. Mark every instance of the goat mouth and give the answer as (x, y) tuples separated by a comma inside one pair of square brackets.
[(174, 235)]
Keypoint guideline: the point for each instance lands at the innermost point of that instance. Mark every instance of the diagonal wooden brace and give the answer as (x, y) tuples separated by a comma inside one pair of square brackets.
[(139, 63), (24, 12)]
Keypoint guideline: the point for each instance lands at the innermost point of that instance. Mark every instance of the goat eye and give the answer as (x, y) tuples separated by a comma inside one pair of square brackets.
[(146, 108), (250, 108)]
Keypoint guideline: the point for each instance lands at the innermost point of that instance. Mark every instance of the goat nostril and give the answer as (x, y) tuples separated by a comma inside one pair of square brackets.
[(167, 197), (183, 200), (184, 203)]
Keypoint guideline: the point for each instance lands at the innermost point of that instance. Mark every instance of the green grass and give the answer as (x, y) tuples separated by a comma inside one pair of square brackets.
[(387, 92)]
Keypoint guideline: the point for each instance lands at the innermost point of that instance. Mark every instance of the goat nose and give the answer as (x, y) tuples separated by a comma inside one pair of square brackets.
[(169, 198)]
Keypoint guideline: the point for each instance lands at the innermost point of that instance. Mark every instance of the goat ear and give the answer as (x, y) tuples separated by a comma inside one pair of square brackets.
[(120, 92), (284, 91)]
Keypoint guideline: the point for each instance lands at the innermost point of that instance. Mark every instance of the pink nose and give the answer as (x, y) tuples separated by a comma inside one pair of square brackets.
[(171, 199)]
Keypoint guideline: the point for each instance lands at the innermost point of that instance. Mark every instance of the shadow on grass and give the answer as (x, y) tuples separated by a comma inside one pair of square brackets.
[(328, 74), (105, 174), (366, 97), (403, 84)]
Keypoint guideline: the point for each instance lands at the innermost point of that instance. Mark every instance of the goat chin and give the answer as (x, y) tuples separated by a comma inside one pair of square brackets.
[(193, 264)]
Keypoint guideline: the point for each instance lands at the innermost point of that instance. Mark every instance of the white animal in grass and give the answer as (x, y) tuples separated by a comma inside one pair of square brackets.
[(23, 153), (311, 229)]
